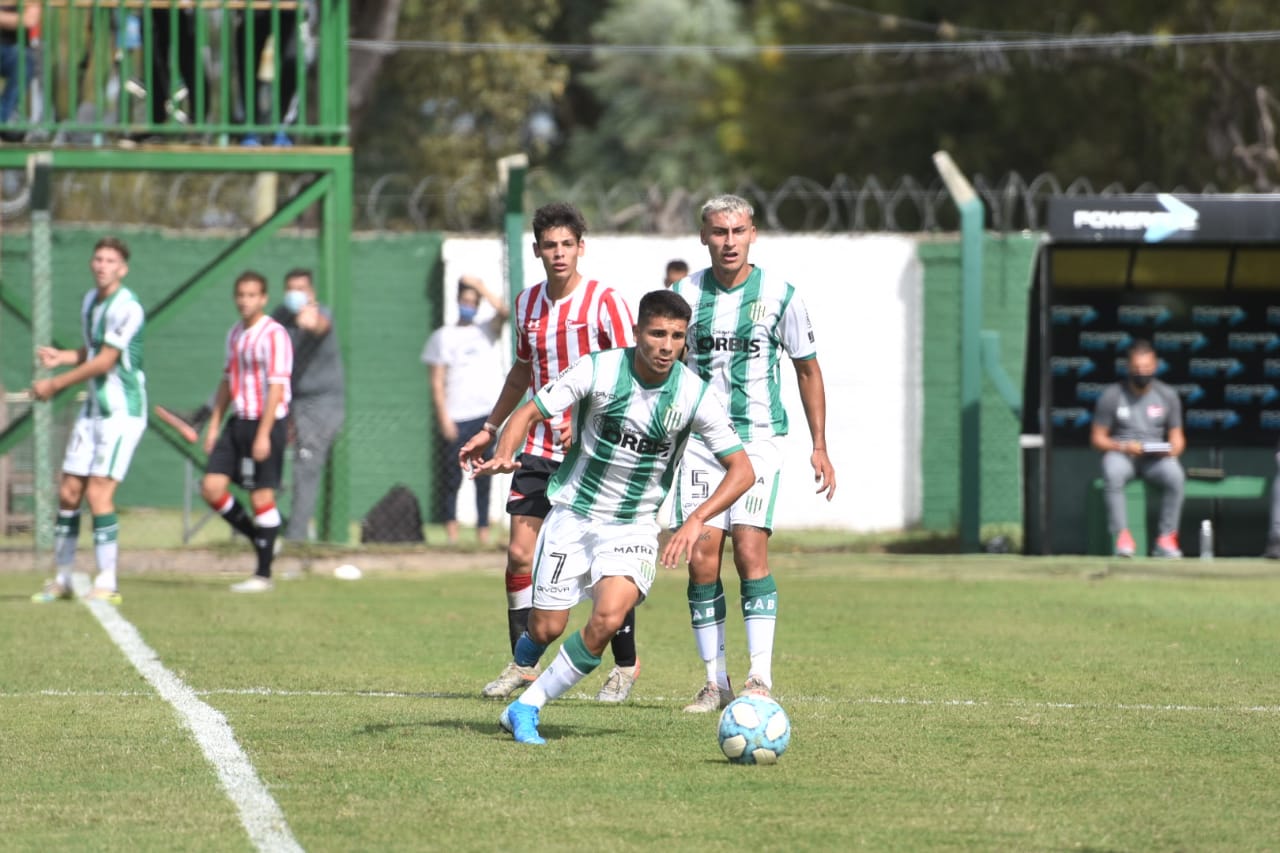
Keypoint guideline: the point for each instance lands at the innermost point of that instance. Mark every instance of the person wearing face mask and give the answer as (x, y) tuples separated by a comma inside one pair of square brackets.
[(1137, 427), (319, 399), (465, 372)]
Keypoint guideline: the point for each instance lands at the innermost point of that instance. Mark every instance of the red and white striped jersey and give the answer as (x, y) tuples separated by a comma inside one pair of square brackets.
[(553, 335), (258, 356)]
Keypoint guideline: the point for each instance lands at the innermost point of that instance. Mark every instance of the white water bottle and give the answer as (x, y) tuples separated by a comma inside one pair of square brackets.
[(1206, 540)]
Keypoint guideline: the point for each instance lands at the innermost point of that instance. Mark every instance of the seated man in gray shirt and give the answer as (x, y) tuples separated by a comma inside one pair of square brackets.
[(1137, 426)]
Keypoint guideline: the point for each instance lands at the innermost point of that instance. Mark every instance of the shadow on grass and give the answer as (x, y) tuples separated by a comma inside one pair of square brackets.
[(550, 732)]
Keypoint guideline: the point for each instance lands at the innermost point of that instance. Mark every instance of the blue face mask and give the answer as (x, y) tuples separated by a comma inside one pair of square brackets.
[(295, 300), (467, 313)]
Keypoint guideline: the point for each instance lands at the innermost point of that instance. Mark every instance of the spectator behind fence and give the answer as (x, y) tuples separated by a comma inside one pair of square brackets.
[(258, 67), (465, 373), (676, 270), (164, 41), (319, 396), (15, 55), (1137, 426)]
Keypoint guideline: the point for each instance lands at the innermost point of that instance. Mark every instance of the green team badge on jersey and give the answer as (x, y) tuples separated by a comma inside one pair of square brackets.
[(754, 504), (671, 420), (757, 310)]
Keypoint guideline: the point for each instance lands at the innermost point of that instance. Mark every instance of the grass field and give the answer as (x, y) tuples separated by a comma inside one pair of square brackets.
[(937, 703)]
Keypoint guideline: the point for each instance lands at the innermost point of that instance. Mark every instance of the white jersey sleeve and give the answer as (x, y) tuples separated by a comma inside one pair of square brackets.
[(123, 323), (795, 329), (568, 388), (711, 421), (433, 352)]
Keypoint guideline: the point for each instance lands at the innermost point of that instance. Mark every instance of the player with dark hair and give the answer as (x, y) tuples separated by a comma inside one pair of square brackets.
[(744, 320), (110, 423), (1137, 427), (633, 411), (557, 322), (676, 270), (250, 451)]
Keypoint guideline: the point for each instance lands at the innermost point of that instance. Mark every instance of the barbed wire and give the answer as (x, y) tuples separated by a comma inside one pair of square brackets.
[(402, 202)]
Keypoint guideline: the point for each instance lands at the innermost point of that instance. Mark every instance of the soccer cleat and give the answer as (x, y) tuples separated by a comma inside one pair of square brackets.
[(712, 697), (52, 591), (755, 686), (1125, 546), (521, 722), (99, 593), (617, 687), (257, 583), (513, 678), (1167, 547)]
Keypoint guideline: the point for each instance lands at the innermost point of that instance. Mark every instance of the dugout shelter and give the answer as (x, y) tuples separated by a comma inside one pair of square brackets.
[(1198, 276)]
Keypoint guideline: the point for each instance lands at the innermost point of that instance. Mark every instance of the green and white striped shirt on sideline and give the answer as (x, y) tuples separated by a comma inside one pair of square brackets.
[(116, 321)]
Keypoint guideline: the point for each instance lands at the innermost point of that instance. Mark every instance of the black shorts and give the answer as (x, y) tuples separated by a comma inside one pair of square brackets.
[(529, 486), (233, 455)]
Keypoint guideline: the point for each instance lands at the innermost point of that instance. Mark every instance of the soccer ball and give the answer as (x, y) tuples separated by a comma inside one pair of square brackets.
[(754, 730)]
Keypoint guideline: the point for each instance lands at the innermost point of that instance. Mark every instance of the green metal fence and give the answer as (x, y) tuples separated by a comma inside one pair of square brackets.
[(222, 71)]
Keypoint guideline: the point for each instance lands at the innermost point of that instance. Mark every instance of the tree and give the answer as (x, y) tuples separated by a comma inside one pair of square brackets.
[(451, 114), (372, 20), (666, 119), (1167, 115)]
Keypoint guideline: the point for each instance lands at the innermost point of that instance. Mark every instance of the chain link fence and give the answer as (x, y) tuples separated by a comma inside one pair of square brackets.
[(401, 202)]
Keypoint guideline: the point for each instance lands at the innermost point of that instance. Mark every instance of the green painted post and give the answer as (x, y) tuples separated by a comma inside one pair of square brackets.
[(335, 272), (972, 220), (41, 167), (511, 172)]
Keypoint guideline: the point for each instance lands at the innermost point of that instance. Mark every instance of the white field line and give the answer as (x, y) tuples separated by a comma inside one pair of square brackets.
[(259, 813), (1128, 707)]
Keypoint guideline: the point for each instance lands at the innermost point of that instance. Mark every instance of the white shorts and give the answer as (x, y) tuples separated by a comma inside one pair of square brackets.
[(575, 551), (103, 447), (701, 473)]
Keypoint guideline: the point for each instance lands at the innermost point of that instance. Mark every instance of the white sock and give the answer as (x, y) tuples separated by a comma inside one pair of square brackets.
[(573, 662), (707, 609), (106, 550), (759, 613), (65, 533)]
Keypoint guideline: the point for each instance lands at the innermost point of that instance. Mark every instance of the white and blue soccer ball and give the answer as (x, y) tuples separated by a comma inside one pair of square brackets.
[(754, 730)]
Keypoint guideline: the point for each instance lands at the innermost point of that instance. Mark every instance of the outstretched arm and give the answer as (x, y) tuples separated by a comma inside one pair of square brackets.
[(44, 389), (738, 477), (509, 444), (813, 397), (518, 379), (221, 398)]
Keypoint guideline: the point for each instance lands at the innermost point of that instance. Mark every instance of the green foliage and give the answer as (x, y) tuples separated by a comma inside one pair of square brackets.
[(452, 114), (1166, 115), (666, 119)]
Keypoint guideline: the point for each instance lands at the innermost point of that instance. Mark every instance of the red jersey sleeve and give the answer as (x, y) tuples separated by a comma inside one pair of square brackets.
[(616, 323)]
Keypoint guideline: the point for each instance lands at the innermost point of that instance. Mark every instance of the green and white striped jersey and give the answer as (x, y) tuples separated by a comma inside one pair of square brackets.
[(116, 321), (628, 436), (736, 341)]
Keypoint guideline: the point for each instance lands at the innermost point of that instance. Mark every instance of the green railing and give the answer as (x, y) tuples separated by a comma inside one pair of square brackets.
[(222, 72)]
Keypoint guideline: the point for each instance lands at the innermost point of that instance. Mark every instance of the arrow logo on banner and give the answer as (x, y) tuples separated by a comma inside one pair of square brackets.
[(1178, 216)]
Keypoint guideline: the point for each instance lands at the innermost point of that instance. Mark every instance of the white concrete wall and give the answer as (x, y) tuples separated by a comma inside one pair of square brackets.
[(864, 295)]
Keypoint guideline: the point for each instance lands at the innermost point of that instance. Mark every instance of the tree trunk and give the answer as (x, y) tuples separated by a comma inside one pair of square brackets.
[(370, 19)]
